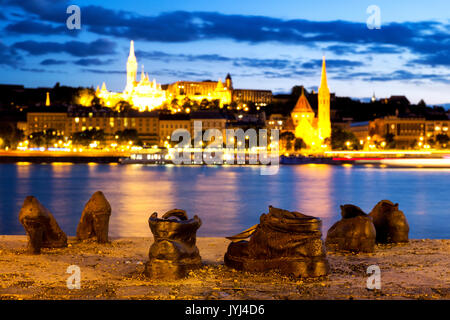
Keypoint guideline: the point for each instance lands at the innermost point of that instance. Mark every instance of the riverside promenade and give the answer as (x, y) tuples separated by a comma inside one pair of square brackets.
[(416, 270)]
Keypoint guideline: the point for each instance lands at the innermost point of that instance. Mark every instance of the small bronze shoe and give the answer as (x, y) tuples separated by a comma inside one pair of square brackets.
[(41, 227), (390, 223), (94, 221), (174, 252), (289, 242), (355, 232)]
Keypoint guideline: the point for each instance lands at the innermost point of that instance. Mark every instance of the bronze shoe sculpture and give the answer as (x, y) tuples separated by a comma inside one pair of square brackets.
[(41, 227), (289, 242), (174, 252), (94, 222), (390, 223), (354, 232)]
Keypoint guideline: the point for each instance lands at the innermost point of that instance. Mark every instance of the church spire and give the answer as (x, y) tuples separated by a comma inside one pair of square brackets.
[(323, 81), (47, 100), (132, 67), (132, 56), (324, 123)]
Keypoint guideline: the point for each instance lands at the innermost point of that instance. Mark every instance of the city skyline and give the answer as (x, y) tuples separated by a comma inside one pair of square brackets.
[(270, 47)]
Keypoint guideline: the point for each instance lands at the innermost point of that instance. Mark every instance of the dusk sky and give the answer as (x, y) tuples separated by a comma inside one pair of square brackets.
[(263, 44)]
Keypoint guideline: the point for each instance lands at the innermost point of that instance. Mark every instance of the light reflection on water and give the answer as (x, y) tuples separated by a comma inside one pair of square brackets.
[(227, 199)]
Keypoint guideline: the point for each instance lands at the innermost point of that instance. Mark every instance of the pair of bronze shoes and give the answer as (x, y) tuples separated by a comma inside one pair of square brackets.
[(44, 232), (359, 232), (288, 242)]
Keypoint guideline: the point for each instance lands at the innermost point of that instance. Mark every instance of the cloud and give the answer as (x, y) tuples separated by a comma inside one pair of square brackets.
[(346, 49), (40, 70), (422, 37), (99, 71), (9, 56), (74, 48), (32, 27), (397, 75), (164, 56), (425, 42), (184, 74), (183, 26), (50, 10), (263, 63), (93, 61), (332, 63), (51, 62), (440, 58)]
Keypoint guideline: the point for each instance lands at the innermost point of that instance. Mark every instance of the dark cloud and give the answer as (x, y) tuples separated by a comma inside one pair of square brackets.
[(99, 71), (9, 56), (428, 42), (200, 75), (49, 10), (74, 48), (33, 27), (263, 63), (346, 49), (93, 62), (52, 62), (182, 26), (40, 70), (440, 58), (332, 63), (160, 55), (397, 75), (238, 62)]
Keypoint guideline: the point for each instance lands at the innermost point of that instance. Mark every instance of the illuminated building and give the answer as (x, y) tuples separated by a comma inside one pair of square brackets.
[(258, 97), (145, 95), (153, 128), (313, 130), (171, 122), (40, 121), (145, 123), (407, 132), (149, 95), (201, 90)]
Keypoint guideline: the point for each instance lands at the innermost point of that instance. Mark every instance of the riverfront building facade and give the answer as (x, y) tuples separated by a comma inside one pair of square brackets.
[(147, 95)]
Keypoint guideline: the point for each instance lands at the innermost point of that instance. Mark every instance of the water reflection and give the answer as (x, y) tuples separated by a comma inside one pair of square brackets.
[(228, 199)]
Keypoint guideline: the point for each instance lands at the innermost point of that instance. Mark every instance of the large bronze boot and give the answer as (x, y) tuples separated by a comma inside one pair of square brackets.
[(174, 252), (94, 221), (390, 223), (355, 232), (41, 227), (289, 242)]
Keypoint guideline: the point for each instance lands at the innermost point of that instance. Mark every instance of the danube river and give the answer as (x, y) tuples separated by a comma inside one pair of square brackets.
[(227, 199)]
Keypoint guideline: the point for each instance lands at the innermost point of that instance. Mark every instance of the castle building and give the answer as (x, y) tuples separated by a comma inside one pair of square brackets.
[(146, 95), (314, 131)]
